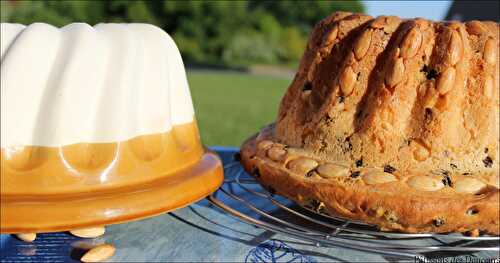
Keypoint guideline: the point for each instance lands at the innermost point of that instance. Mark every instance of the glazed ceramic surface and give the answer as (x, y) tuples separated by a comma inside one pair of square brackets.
[(98, 128)]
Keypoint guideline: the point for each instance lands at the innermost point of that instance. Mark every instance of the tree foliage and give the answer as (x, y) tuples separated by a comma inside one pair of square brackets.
[(207, 32)]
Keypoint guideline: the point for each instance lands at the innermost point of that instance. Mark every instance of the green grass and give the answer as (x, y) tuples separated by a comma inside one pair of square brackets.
[(232, 106)]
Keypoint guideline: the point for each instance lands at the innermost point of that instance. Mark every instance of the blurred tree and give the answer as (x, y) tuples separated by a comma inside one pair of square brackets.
[(304, 14), (204, 28), (207, 32), (247, 48), (58, 13), (293, 44)]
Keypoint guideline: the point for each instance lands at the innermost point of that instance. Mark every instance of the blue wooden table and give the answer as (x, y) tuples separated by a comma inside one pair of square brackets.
[(200, 232)]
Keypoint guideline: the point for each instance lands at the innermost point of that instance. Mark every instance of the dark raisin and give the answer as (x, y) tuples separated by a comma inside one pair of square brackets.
[(432, 74), (488, 162), (454, 166), (307, 86), (319, 207), (310, 173), (438, 222), (328, 119), (389, 169), (359, 162), (486, 150), (237, 157), (472, 233), (392, 219), (347, 145), (358, 76), (341, 99), (472, 211), (466, 173), (447, 180), (390, 216), (355, 174), (314, 203), (255, 172), (428, 114), (429, 73), (444, 172)]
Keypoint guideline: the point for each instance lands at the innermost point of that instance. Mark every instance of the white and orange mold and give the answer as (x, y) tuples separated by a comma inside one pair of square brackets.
[(97, 127)]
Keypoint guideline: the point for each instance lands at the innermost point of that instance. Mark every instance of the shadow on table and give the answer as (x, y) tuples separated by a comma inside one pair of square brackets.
[(255, 241)]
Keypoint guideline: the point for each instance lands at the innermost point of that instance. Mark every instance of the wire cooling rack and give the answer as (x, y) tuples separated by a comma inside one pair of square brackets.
[(243, 197)]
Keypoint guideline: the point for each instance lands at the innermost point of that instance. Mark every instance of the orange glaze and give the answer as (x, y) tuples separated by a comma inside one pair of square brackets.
[(47, 189), (84, 167)]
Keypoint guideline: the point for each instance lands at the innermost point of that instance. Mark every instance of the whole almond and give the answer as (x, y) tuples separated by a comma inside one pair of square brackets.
[(425, 183), (378, 177), (455, 48), (331, 36), (468, 185), (276, 153), (475, 27), (264, 144), (490, 51), (347, 79), (329, 170), (90, 232), (446, 81), (386, 23), (379, 22), (411, 43), (363, 44), (488, 86), (27, 237), (395, 73), (302, 165), (99, 253), (494, 181)]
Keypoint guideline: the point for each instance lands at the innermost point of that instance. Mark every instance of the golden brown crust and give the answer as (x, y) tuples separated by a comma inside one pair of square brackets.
[(419, 96), (430, 89), (393, 201)]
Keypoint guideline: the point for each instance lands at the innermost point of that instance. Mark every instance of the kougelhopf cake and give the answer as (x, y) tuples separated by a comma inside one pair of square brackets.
[(97, 127), (392, 122)]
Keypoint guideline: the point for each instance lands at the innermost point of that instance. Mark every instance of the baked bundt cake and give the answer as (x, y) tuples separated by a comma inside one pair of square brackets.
[(390, 121)]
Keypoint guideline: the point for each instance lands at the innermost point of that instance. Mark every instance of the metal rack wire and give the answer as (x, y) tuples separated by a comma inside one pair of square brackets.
[(243, 197)]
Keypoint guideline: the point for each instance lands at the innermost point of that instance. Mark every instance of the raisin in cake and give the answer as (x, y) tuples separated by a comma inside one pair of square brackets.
[(390, 121)]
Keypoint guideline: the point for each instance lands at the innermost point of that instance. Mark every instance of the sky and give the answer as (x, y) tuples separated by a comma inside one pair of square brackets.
[(434, 10)]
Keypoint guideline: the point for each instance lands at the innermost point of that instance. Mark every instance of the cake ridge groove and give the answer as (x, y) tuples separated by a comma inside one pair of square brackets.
[(403, 91), (402, 119)]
